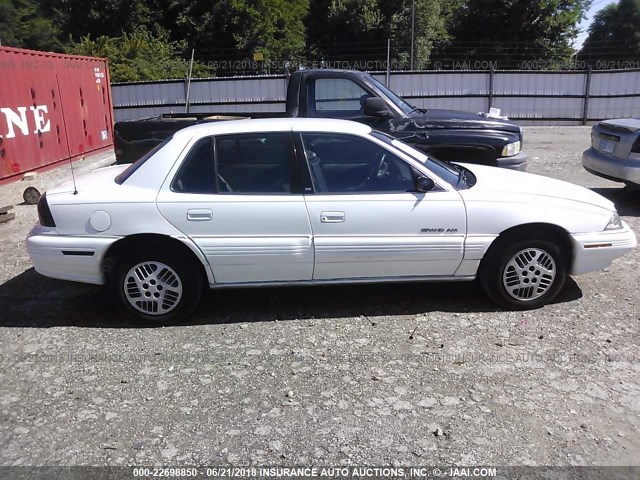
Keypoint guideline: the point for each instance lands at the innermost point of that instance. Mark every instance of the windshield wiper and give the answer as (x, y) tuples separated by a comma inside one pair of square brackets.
[(412, 135)]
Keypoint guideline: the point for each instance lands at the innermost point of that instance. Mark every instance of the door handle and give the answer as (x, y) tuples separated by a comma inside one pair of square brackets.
[(199, 215), (332, 217)]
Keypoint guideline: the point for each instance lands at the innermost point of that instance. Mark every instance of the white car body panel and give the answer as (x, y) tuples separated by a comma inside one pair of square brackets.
[(382, 235), (248, 238), (244, 239)]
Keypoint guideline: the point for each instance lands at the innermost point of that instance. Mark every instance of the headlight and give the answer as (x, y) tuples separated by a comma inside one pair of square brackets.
[(511, 149), (615, 223)]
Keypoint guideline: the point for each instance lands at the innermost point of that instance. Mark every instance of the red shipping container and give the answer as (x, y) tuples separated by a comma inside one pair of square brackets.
[(53, 107)]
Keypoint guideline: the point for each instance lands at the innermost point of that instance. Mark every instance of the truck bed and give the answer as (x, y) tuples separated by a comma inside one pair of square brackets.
[(132, 139)]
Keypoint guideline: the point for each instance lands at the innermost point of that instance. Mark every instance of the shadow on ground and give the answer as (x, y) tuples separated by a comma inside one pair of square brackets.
[(627, 201), (31, 300)]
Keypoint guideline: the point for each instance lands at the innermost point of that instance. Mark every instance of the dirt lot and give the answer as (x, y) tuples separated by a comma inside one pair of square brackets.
[(329, 375)]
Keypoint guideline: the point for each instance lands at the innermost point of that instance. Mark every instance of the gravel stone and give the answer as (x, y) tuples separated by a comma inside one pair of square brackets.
[(82, 384)]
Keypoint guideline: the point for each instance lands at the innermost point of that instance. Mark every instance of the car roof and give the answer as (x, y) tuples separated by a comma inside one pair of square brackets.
[(275, 125)]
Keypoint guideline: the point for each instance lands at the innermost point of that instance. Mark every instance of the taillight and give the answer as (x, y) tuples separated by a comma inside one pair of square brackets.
[(44, 213), (636, 145)]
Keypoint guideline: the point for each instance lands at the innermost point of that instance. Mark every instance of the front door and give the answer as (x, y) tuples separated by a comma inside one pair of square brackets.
[(233, 197), (367, 219)]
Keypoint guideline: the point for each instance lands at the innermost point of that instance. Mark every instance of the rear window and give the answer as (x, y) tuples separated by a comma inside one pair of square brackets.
[(120, 179)]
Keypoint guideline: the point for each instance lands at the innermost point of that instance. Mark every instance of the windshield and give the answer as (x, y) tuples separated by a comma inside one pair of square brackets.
[(446, 171), (405, 106)]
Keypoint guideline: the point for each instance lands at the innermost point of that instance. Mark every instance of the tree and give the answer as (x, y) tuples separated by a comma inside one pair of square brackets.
[(23, 24), (614, 33), (512, 32), (97, 18), (138, 56), (357, 30), (272, 27), (431, 23)]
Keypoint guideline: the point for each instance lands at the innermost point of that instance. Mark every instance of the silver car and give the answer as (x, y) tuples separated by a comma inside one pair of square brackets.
[(615, 151)]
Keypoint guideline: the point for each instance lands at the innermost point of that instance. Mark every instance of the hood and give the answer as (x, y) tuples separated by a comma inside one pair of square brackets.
[(513, 184), (438, 118), (89, 182)]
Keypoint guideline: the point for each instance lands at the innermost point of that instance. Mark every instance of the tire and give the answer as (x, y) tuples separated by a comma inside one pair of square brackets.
[(525, 274), (157, 286)]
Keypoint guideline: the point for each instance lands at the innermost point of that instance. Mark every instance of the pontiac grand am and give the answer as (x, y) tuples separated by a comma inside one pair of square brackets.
[(313, 201)]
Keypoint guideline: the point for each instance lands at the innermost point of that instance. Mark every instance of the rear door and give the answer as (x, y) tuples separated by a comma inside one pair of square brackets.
[(234, 196), (369, 221)]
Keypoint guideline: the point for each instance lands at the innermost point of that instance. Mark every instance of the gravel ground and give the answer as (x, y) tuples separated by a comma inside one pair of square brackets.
[(327, 375)]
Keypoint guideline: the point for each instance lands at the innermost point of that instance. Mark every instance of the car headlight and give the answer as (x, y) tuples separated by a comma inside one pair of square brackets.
[(615, 223), (511, 149)]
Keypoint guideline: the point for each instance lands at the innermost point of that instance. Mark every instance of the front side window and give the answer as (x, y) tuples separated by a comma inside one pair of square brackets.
[(338, 97), (345, 163), (254, 162)]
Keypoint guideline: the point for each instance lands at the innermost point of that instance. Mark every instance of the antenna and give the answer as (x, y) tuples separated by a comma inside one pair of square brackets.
[(66, 136), (186, 103)]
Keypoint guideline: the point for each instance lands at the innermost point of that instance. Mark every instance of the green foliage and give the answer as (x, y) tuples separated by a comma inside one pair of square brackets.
[(138, 56), (97, 18), (432, 19), (614, 33), (357, 30), (23, 24), (507, 30), (273, 27), (151, 39)]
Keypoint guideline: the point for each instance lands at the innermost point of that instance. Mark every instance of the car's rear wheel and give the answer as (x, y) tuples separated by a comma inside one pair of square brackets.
[(524, 274), (157, 287)]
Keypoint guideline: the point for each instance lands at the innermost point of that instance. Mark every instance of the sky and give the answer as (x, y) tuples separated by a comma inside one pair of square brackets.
[(584, 26)]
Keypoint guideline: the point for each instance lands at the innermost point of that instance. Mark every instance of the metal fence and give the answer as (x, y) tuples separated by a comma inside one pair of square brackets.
[(530, 97)]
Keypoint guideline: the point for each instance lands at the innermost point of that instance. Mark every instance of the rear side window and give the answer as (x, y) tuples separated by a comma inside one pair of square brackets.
[(254, 163), (197, 173), (243, 163)]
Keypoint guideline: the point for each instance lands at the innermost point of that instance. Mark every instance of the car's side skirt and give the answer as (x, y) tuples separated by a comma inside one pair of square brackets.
[(334, 281)]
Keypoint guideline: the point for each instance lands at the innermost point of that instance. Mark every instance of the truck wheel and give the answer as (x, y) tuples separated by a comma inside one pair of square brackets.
[(157, 287), (523, 275)]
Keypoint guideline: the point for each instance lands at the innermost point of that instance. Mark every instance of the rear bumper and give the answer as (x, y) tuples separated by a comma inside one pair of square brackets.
[(595, 251), (516, 162), (612, 168), (76, 258)]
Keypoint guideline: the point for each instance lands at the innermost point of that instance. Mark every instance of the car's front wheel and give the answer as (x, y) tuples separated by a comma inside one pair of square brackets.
[(525, 274), (156, 287)]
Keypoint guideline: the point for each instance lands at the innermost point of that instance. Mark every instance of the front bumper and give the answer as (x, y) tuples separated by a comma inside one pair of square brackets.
[(516, 162), (595, 251), (73, 258), (612, 168)]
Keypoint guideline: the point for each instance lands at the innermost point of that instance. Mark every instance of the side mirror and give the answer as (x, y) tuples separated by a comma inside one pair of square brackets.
[(424, 184), (375, 107)]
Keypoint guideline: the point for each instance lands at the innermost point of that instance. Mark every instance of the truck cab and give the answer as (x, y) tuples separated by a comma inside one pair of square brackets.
[(449, 135)]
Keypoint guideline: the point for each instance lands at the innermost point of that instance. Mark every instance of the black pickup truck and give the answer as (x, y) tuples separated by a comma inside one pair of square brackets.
[(445, 134)]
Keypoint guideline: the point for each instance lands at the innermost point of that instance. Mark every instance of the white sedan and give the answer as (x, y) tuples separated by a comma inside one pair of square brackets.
[(303, 201)]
